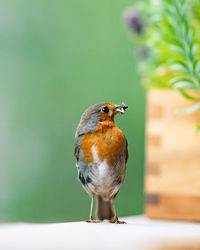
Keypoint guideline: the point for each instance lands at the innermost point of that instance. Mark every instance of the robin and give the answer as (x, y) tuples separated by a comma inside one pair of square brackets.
[(101, 152)]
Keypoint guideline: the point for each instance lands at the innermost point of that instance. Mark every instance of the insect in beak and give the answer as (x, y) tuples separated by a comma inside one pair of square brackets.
[(121, 108)]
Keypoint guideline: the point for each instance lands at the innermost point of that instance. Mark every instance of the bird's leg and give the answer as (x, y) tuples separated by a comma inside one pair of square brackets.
[(115, 218), (91, 209), (91, 220)]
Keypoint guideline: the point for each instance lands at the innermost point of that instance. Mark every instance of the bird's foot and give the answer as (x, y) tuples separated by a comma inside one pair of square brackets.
[(91, 220), (116, 221)]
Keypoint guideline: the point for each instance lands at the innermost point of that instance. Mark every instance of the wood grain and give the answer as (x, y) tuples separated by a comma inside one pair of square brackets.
[(172, 157), (175, 207)]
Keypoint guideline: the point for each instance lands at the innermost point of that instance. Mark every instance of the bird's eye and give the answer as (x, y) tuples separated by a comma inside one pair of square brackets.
[(105, 109)]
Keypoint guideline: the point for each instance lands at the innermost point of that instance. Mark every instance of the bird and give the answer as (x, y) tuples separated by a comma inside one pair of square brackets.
[(101, 152)]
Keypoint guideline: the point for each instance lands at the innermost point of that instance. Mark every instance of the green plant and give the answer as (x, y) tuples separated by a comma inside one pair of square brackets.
[(171, 36), (183, 42)]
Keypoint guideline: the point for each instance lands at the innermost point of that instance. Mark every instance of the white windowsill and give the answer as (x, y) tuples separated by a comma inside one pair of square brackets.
[(139, 233)]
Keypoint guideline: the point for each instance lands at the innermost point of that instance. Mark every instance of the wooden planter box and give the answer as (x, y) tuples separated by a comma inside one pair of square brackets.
[(172, 182)]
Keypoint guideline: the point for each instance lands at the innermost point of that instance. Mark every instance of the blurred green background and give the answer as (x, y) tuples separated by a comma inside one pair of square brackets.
[(57, 58)]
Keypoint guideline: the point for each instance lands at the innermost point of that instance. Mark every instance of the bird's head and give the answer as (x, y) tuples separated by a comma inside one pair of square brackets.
[(98, 113)]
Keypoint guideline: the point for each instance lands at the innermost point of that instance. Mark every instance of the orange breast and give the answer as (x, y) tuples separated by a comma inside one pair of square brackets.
[(109, 142)]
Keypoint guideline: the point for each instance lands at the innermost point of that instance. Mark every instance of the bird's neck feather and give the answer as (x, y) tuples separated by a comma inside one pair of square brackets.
[(103, 125)]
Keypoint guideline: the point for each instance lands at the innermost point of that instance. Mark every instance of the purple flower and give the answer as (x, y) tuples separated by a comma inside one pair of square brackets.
[(133, 20)]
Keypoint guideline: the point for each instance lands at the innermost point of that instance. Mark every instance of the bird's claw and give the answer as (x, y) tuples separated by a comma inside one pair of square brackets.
[(91, 220), (116, 221)]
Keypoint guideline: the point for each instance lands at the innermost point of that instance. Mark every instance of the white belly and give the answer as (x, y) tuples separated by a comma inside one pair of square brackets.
[(104, 177)]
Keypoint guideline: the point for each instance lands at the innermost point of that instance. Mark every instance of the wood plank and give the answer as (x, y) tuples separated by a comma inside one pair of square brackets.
[(172, 157), (177, 207)]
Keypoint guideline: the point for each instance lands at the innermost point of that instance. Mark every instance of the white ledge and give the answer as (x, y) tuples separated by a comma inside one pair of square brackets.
[(139, 233)]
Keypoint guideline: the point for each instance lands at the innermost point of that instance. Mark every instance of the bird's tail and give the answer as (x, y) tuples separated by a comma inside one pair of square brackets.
[(103, 209)]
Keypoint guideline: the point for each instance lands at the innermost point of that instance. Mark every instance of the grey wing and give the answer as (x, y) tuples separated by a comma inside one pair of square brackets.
[(120, 165), (82, 165), (77, 149), (126, 151), (123, 155)]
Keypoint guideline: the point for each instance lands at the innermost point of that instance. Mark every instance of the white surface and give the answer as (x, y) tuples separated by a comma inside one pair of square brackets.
[(138, 233)]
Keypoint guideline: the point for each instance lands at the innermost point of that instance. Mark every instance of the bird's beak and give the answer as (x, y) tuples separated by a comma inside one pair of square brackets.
[(121, 108)]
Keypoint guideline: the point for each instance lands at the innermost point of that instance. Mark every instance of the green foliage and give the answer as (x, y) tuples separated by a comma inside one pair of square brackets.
[(190, 109), (198, 128), (183, 42), (172, 37)]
